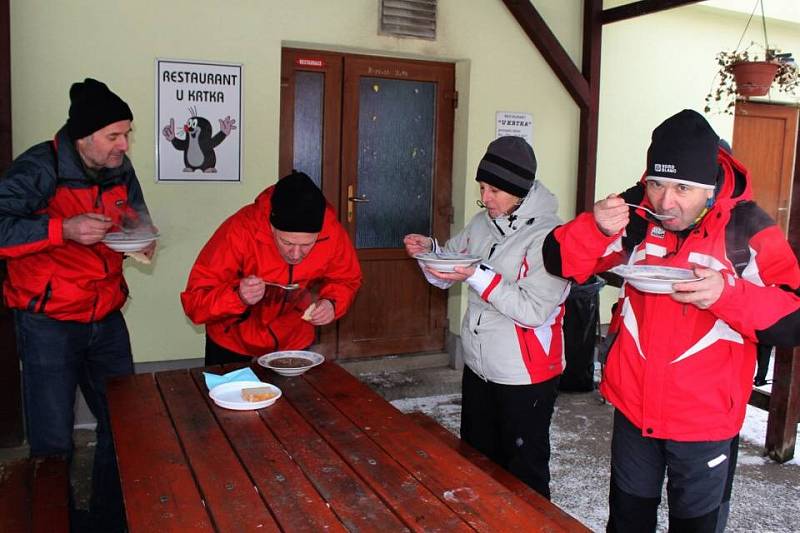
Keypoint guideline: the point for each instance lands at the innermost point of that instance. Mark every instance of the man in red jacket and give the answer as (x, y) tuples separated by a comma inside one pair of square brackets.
[(57, 201), (289, 235), (679, 372)]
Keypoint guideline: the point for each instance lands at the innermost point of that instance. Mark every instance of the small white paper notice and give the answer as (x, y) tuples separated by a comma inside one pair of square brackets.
[(516, 124)]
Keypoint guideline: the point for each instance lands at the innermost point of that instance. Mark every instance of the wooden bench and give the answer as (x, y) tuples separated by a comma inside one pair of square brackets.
[(503, 476), (34, 495)]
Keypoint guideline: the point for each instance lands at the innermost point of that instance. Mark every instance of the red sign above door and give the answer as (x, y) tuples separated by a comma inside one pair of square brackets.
[(310, 62)]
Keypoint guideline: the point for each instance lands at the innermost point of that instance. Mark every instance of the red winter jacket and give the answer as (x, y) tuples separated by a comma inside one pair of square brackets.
[(676, 371), (243, 246), (46, 274)]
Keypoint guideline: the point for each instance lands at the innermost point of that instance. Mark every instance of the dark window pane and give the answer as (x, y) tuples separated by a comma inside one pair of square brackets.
[(395, 160), (308, 91)]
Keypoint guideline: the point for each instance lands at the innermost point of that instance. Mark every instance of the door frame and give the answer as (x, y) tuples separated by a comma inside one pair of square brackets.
[(11, 424), (332, 64), (776, 112)]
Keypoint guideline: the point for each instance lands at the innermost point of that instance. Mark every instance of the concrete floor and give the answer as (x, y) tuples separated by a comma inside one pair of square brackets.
[(766, 495)]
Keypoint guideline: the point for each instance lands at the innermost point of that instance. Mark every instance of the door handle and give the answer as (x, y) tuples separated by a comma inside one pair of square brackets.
[(352, 200)]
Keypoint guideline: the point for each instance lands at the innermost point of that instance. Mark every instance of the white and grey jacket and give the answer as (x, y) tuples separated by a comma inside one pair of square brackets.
[(511, 332)]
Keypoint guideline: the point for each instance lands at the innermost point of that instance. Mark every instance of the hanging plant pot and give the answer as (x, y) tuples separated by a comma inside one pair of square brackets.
[(754, 78)]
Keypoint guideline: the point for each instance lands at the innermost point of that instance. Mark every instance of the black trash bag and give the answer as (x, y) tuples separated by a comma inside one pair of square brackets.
[(581, 320), (763, 353)]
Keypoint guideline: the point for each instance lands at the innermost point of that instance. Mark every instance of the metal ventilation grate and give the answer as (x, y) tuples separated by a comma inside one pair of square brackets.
[(409, 18)]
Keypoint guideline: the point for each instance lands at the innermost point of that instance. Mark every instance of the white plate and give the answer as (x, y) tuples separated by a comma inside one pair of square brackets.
[(268, 361), (229, 395), (447, 261), (654, 279), (129, 242)]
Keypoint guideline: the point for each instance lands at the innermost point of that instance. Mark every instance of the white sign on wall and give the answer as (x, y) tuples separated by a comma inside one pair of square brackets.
[(198, 121), (514, 124)]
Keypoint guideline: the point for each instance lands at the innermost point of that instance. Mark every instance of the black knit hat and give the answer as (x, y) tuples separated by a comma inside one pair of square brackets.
[(510, 165), (93, 106), (684, 149), (297, 204)]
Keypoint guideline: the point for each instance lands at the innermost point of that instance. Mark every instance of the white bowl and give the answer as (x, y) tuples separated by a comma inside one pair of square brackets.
[(446, 261), (272, 361), (654, 279), (128, 242), (229, 395)]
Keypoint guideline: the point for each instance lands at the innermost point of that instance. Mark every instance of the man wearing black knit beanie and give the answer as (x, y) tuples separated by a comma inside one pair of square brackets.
[(272, 273), (58, 200), (708, 275)]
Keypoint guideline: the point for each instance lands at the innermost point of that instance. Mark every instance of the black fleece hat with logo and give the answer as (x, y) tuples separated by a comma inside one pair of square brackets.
[(684, 149), (297, 205), (510, 165), (93, 106)]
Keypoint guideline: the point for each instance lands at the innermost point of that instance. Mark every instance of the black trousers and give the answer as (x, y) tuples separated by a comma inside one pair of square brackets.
[(218, 355), (510, 424), (698, 473)]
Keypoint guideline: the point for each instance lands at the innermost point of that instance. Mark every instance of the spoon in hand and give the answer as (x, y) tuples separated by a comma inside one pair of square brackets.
[(655, 215), (288, 287)]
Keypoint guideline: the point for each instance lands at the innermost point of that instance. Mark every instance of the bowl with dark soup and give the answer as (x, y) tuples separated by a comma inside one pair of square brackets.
[(291, 362)]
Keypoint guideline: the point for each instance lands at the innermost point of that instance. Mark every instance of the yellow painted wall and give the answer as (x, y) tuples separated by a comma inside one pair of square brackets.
[(56, 43), (652, 67)]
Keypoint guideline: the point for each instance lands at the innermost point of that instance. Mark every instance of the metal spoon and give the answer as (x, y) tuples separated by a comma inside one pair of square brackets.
[(288, 287), (655, 215)]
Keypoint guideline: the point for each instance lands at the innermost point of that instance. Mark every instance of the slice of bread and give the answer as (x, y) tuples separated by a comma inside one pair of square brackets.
[(257, 394), (139, 256), (307, 313)]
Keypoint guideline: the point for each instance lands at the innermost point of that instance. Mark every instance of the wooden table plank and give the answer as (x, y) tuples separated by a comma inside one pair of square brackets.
[(517, 486), (231, 497), (354, 503), (50, 494), (158, 488), (483, 502), (15, 496), (292, 499), (419, 509)]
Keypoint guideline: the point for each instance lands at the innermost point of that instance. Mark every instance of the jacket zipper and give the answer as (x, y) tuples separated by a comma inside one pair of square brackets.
[(98, 202), (286, 293)]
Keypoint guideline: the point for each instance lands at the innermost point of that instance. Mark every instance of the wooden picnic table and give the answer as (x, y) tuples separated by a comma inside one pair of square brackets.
[(330, 454)]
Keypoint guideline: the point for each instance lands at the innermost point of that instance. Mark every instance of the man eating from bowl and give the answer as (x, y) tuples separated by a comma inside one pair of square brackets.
[(289, 236), (679, 369), (58, 200)]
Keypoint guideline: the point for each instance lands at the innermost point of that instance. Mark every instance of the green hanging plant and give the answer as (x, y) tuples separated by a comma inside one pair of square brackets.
[(780, 71), (743, 73)]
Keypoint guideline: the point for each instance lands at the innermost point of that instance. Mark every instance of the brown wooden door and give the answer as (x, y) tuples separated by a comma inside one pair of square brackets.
[(392, 121), (765, 139)]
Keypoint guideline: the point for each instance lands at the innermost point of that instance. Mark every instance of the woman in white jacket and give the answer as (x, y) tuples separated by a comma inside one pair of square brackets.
[(511, 333)]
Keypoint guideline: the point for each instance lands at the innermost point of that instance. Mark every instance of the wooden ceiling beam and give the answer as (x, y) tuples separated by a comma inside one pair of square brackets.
[(588, 134), (546, 42), (643, 7)]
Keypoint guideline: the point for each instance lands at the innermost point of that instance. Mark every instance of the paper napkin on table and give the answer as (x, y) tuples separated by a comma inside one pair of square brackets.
[(243, 374)]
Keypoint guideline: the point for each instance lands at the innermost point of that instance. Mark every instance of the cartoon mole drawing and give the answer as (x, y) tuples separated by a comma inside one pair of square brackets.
[(198, 144)]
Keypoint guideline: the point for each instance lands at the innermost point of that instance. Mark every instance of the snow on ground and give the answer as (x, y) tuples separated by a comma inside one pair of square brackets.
[(766, 495)]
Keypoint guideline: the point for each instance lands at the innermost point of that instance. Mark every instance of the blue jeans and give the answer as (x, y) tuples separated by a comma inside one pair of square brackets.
[(57, 357)]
